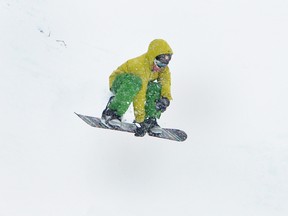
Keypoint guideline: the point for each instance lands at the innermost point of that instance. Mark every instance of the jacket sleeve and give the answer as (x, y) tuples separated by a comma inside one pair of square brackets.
[(165, 81), (139, 103)]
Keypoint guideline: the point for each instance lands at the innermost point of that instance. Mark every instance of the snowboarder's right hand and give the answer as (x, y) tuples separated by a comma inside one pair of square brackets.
[(141, 129)]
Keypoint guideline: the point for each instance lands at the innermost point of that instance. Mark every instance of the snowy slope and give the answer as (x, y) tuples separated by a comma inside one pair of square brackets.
[(230, 93)]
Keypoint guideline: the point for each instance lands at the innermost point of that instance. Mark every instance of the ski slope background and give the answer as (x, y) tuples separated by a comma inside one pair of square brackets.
[(230, 89)]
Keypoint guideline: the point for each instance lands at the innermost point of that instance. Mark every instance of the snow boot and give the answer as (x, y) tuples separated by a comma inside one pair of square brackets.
[(153, 126), (110, 117)]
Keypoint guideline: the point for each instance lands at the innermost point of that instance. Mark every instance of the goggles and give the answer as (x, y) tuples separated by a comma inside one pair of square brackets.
[(162, 60)]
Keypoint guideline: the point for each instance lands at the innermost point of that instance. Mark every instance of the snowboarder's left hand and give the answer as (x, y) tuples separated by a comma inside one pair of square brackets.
[(162, 104)]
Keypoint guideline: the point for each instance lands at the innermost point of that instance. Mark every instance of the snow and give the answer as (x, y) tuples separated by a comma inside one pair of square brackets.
[(230, 88)]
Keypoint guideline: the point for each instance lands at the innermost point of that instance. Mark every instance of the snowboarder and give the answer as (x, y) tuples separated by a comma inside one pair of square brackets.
[(145, 81)]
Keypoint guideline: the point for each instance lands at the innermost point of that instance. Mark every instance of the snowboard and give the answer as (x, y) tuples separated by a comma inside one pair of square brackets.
[(166, 133)]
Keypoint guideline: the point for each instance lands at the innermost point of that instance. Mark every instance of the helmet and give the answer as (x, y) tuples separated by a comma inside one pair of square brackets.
[(162, 60)]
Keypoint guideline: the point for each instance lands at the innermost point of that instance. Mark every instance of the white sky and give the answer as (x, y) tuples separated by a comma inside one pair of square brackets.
[(230, 88)]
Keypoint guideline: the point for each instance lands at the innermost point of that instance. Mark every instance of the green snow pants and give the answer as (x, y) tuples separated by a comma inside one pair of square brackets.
[(126, 86)]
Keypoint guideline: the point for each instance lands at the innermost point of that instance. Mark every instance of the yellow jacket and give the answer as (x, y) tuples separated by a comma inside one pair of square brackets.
[(142, 67)]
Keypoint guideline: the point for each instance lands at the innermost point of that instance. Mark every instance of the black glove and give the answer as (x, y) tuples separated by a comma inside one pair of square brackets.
[(162, 104), (141, 129)]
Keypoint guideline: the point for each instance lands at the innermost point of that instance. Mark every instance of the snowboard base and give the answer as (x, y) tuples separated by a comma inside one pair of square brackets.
[(166, 133)]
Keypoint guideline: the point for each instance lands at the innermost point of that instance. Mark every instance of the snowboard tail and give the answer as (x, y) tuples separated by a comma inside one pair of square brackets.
[(166, 133)]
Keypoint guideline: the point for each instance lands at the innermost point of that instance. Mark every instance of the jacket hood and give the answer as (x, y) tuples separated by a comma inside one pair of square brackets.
[(157, 47)]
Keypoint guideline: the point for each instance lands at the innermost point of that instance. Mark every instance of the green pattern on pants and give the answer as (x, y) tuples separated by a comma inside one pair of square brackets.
[(126, 86), (153, 93)]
